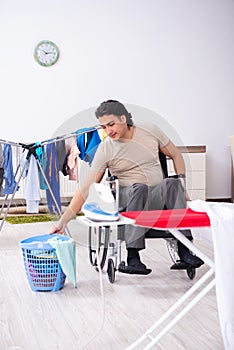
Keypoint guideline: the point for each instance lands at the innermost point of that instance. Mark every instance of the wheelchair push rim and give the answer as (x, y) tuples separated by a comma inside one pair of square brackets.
[(98, 245)]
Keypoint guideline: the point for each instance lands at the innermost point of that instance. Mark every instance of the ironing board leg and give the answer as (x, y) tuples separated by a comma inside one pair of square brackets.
[(193, 289), (148, 334), (181, 314)]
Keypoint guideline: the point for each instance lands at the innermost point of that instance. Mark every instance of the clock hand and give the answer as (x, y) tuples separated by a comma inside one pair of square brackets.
[(46, 52)]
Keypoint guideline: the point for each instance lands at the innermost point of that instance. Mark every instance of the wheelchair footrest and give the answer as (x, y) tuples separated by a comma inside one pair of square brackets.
[(180, 265)]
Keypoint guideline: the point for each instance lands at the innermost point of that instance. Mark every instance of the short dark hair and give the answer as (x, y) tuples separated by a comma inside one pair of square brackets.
[(114, 107)]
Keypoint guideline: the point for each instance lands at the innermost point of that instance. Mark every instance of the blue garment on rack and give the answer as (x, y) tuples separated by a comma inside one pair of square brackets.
[(87, 143), (52, 175), (1, 169), (41, 155), (9, 177), (1, 156), (66, 253)]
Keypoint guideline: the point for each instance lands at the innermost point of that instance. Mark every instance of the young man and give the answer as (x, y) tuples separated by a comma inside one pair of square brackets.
[(131, 152)]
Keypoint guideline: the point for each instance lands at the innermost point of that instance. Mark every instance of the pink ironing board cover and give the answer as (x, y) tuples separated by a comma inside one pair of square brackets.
[(169, 219)]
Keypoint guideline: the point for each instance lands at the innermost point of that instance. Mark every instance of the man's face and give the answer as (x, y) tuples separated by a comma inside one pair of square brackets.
[(115, 127)]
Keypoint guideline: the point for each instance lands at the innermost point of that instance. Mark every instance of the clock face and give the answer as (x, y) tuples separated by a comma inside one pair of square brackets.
[(46, 53)]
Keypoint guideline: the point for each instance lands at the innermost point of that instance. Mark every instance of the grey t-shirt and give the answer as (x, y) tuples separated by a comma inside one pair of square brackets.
[(133, 161)]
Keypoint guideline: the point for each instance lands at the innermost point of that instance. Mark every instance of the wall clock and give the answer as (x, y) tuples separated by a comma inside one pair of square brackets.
[(46, 53)]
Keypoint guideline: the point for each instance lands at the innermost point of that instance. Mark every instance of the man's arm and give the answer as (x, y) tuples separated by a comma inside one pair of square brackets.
[(174, 153), (81, 195), (77, 201), (171, 151)]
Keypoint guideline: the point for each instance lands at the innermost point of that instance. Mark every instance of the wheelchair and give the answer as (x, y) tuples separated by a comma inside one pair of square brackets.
[(102, 248)]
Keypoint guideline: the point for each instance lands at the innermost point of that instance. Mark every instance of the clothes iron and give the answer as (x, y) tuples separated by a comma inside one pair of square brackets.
[(100, 204)]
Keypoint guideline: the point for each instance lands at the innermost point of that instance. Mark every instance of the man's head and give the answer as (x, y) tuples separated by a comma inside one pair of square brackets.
[(114, 118), (113, 107)]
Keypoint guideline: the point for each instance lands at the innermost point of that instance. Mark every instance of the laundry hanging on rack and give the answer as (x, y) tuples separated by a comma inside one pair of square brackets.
[(1, 169), (32, 183), (9, 177), (41, 156), (62, 154), (82, 144), (87, 142), (52, 175), (72, 159), (48, 162), (1, 181), (1, 156)]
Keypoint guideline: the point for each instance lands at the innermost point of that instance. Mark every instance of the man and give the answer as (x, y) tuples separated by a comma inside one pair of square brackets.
[(131, 152)]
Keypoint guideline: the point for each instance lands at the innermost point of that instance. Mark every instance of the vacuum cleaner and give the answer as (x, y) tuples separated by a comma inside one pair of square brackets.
[(100, 204)]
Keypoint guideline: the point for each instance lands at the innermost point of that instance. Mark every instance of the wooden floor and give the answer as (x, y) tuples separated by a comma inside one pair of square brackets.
[(83, 318)]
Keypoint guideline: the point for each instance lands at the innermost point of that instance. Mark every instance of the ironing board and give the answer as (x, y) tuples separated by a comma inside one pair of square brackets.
[(174, 220)]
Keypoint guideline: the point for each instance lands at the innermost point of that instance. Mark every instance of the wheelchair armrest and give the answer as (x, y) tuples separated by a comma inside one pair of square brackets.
[(114, 186), (181, 177), (178, 176), (151, 233)]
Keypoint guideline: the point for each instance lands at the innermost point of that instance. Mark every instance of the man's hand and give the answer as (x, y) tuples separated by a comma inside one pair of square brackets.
[(60, 226), (57, 229)]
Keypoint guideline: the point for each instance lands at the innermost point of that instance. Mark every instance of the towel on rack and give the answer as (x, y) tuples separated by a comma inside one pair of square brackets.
[(87, 142), (66, 253)]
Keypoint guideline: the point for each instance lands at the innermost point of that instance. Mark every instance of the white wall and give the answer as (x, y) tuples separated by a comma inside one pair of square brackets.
[(173, 57)]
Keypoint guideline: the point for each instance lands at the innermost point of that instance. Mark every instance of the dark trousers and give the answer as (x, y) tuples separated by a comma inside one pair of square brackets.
[(168, 194)]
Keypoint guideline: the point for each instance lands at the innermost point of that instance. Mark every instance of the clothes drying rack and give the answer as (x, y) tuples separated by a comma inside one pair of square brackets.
[(31, 150)]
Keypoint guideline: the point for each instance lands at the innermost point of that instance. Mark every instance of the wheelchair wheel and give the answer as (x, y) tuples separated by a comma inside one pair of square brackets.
[(111, 270), (172, 249), (98, 244), (191, 272)]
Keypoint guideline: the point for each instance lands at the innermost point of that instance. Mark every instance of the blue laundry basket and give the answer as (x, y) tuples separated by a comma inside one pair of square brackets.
[(42, 267)]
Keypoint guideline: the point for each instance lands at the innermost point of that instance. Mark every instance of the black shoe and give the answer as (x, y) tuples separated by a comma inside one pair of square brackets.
[(193, 260), (135, 262), (139, 269), (187, 257), (134, 265), (180, 265)]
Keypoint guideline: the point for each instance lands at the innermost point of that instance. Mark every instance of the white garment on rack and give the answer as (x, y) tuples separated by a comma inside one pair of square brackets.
[(32, 183), (222, 227)]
